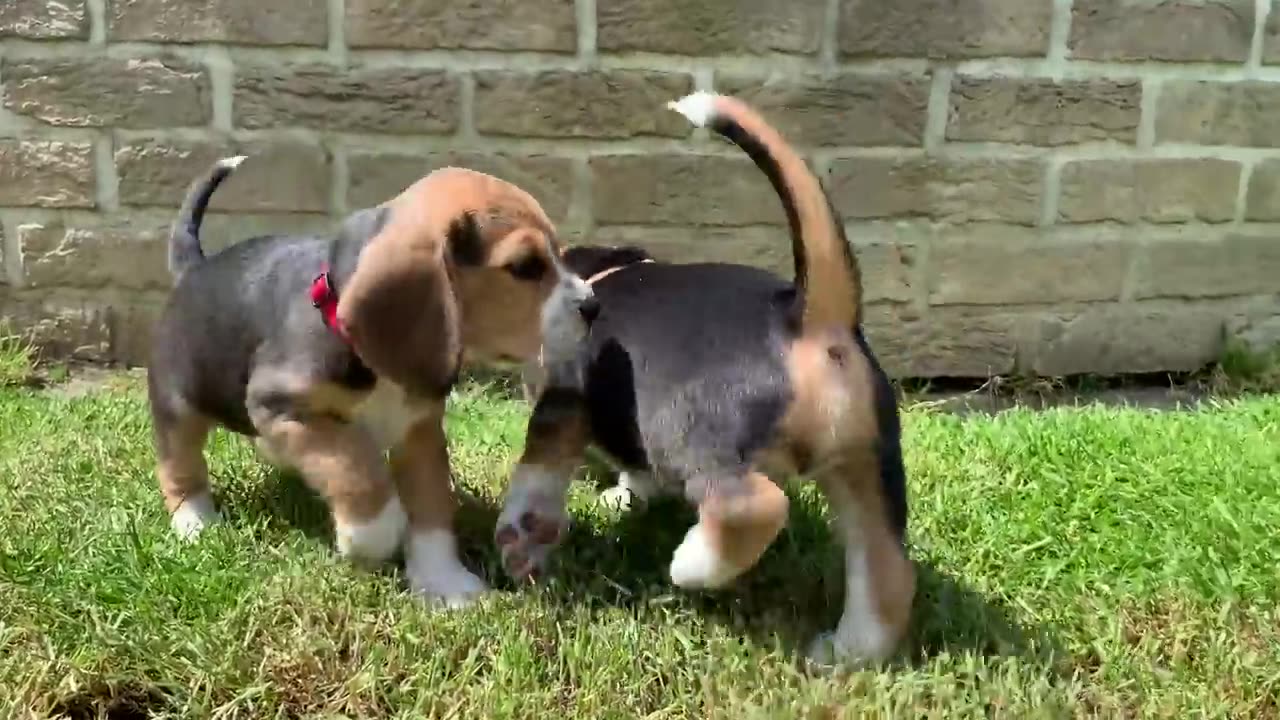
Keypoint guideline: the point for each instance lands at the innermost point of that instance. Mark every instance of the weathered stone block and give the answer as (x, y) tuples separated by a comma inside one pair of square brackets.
[(126, 255), (1041, 111), (109, 92), (1219, 113), (1153, 190), (46, 173), (1178, 31), (849, 109), (1262, 199), (960, 29), (358, 99), (1127, 339), (159, 173), (1271, 35), (1014, 266), (375, 177), (276, 176), (44, 20), (247, 22), (545, 25), (681, 190), (948, 189), (1232, 264), (603, 104), (709, 27), (62, 328), (1255, 323), (947, 342), (890, 271)]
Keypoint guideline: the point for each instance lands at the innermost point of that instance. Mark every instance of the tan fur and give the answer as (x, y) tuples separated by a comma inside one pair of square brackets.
[(413, 311), (832, 423), (851, 484), (411, 314), (743, 527), (558, 446), (420, 468), (338, 460), (830, 281), (830, 431), (182, 470)]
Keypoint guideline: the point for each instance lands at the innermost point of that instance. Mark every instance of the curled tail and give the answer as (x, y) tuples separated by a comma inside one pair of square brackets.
[(827, 274), (184, 235)]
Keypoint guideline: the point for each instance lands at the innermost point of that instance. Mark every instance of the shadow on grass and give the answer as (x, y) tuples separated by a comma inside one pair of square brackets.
[(793, 593), (119, 700)]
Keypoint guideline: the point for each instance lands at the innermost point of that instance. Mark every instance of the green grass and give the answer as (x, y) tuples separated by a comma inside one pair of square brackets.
[(1087, 562), (17, 357)]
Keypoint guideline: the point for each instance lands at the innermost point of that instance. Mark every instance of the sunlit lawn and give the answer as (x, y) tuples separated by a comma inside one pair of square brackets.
[(1093, 562)]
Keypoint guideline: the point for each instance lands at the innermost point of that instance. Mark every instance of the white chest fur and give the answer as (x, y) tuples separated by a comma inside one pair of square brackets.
[(387, 413)]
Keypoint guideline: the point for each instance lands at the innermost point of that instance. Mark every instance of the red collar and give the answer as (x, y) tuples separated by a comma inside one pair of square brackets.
[(325, 299)]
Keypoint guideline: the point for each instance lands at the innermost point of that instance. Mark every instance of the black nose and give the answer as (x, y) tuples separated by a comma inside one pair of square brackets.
[(589, 309)]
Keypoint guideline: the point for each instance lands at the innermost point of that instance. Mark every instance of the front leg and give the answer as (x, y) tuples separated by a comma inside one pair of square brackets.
[(341, 462), (534, 518), (420, 468)]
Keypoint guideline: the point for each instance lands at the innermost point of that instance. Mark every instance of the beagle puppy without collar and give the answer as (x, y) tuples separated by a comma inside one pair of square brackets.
[(717, 379), (330, 350)]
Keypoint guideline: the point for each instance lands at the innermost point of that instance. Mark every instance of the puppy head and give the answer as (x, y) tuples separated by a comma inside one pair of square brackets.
[(463, 267), (564, 326)]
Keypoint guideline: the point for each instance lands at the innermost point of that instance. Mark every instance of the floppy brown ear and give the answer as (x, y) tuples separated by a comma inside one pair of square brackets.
[(399, 312)]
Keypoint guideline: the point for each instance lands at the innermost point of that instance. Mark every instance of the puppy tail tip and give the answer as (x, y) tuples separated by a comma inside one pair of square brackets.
[(698, 108), (231, 163)]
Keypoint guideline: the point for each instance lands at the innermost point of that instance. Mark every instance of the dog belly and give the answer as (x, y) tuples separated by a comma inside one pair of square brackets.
[(387, 414)]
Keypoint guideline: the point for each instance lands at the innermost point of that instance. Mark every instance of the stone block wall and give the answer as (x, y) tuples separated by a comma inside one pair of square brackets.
[(1041, 186)]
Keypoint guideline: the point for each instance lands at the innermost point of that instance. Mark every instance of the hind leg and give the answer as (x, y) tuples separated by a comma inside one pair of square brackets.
[(879, 577), (737, 522), (182, 472)]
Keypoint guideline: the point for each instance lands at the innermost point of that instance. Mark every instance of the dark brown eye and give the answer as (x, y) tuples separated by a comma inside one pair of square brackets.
[(529, 267)]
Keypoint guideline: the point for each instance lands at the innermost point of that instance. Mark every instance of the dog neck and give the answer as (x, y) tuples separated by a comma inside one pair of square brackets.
[(324, 297), (609, 271), (350, 238)]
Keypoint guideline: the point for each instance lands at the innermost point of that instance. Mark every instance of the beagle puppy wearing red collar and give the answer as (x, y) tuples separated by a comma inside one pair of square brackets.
[(333, 349)]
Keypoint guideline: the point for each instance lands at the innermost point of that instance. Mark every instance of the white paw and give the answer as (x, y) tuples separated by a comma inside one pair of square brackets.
[(193, 516), (435, 572), (698, 564), (617, 497), (376, 540), (632, 488), (533, 522), (834, 649)]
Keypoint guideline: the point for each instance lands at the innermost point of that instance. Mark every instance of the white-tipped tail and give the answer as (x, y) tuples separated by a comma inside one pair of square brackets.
[(184, 236), (826, 271), (698, 108)]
